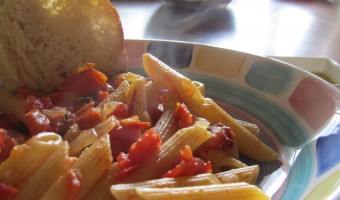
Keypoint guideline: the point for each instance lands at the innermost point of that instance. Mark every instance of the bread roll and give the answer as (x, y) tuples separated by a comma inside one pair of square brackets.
[(42, 41)]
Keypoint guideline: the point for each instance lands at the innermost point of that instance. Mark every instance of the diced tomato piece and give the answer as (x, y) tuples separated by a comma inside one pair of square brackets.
[(87, 81), (89, 119), (102, 95), (7, 192), (40, 103), (222, 138), (183, 116), (121, 111), (134, 122), (189, 165), (74, 184), (117, 109), (6, 145), (84, 82), (37, 122), (146, 145), (125, 135)]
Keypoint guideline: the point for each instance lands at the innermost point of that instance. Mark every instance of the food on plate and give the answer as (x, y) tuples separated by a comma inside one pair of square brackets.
[(74, 124), (123, 137), (42, 41)]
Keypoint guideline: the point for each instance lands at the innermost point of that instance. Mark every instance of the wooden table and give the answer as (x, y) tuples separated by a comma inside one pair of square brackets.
[(262, 27)]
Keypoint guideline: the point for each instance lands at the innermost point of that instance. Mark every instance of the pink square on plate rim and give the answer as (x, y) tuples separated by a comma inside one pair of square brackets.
[(314, 101)]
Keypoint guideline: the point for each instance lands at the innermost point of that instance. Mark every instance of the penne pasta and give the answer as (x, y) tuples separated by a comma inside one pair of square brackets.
[(253, 128), (137, 101), (50, 170), (153, 90), (130, 77), (89, 167), (166, 126), (101, 189), (128, 191), (246, 174), (72, 133), (185, 89), (117, 95), (27, 158), (221, 160), (89, 136), (200, 87), (233, 191)]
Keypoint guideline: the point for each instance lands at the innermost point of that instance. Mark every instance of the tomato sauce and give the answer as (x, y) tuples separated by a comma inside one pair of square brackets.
[(183, 116), (37, 122), (147, 144), (223, 138), (74, 183), (6, 145), (189, 165), (122, 137)]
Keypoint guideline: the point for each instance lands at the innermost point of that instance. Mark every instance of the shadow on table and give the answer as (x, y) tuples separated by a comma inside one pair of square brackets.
[(190, 23)]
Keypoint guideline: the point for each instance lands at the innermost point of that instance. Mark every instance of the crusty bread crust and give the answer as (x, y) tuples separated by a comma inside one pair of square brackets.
[(42, 41)]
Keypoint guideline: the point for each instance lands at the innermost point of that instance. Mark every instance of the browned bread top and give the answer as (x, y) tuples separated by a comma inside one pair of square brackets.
[(42, 41)]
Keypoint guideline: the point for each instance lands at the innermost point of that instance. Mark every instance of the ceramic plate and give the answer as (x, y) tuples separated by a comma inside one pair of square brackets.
[(297, 112)]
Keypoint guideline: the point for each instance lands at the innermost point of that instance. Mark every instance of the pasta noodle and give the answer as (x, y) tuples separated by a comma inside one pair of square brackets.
[(117, 95), (87, 137), (231, 191), (52, 168), (25, 159), (92, 164), (101, 190), (126, 191), (246, 174), (166, 125), (136, 98), (251, 127)]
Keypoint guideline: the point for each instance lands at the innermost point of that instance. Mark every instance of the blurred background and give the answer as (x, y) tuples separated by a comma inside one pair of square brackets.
[(307, 28)]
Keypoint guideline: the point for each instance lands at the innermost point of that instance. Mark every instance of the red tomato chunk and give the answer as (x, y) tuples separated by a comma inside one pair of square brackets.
[(89, 119), (74, 183), (7, 192), (6, 145), (37, 122), (183, 116), (147, 144), (222, 138), (189, 165), (35, 102), (122, 137), (87, 81)]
